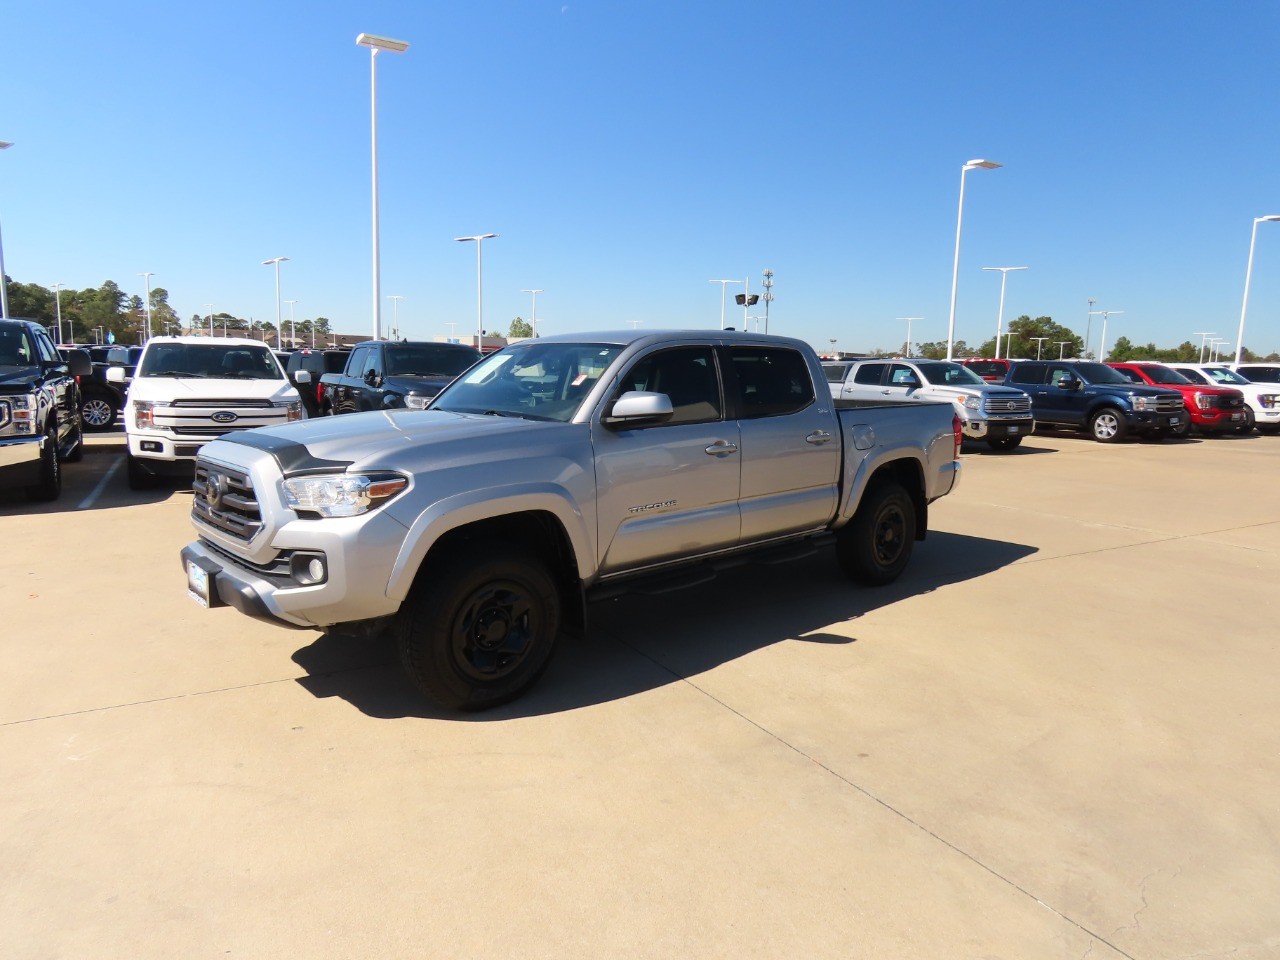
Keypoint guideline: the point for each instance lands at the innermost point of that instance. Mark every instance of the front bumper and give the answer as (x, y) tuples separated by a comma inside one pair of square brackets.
[(20, 460), (1148, 422), (999, 428), (158, 450)]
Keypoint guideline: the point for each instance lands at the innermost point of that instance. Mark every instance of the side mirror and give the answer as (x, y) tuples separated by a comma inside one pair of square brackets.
[(79, 363), (1068, 382), (637, 408), (371, 378), (115, 375), (302, 376), (910, 382)]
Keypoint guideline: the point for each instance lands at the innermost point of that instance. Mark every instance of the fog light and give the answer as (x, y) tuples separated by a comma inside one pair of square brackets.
[(308, 569), (152, 446)]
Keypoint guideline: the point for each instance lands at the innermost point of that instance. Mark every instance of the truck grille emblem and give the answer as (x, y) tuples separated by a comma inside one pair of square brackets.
[(215, 488), (224, 416)]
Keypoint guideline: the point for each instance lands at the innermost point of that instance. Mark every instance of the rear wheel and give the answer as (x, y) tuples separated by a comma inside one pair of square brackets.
[(1003, 443), (97, 414), (481, 630), (874, 547), (49, 486), (1108, 425)]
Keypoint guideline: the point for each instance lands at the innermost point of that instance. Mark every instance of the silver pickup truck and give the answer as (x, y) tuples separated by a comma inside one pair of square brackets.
[(558, 469)]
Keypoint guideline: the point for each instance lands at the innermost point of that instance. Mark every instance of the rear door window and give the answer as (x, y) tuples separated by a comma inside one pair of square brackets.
[(771, 381), (869, 373)]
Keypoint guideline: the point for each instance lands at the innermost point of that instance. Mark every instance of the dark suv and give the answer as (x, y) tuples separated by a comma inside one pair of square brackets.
[(315, 363), (1093, 397)]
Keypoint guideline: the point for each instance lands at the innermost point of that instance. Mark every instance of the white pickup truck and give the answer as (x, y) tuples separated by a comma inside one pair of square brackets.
[(190, 390), (999, 415), (554, 470)]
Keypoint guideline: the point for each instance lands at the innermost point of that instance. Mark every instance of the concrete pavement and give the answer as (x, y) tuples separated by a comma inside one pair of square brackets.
[(1056, 736)]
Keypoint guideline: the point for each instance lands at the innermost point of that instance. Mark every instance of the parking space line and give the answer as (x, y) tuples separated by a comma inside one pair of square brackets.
[(97, 490)]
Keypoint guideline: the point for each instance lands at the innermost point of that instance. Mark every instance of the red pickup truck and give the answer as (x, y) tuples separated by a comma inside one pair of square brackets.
[(1209, 409)]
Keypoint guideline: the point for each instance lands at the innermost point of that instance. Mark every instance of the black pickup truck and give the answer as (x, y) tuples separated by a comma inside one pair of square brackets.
[(39, 409), (389, 374)]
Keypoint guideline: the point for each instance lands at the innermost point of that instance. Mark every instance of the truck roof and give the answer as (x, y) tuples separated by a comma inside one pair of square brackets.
[(631, 337)]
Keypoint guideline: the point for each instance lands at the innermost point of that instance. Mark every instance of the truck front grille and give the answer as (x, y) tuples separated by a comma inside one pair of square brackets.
[(1008, 405), (1228, 403), (224, 499), (1170, 403)]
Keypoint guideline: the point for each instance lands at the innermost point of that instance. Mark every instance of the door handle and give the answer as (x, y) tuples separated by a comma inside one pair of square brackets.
[(818, 436), (722, 448), (886, 392)]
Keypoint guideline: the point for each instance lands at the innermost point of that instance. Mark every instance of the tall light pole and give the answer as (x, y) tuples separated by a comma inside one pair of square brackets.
[(1102, 345), (1062, 348), (635, 323), (210, 306), (723, 286), (1039, 344), (1004, 275), (955, 270), (1248, 273), (909, 319), (533, 322), (57, 301), (767, 297), (277, 261), (1203, 335), (147, 304), (757, 320), (4, 285), (375, 45), (1088, 324), (452, 332), (1217, 349), (395, 314), (479, 242), (293, 335)]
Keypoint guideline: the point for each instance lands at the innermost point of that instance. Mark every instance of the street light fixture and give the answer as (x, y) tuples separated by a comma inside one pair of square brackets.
[(533, 321), (724, 284), (1039, 344), (147, 304), (909, 319), (479, 242), (277, 261), (955, 270), (57, 300), (395, 311), (1004, 275), (1088, 325), (1217, 349), (376, 45), (1248, 273), (1062, 348), (210, 306), (1102, 346), (1203, 335)]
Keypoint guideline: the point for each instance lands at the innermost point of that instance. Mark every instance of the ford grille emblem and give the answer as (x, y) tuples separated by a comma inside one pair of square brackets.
[(224, 416)]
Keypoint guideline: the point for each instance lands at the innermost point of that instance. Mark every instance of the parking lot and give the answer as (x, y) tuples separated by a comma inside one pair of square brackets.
[(1057, 735)]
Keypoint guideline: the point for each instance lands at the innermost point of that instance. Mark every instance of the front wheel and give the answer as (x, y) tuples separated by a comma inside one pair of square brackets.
[(1003, 443), (49, 486), (97, 414), (1246, 428), (480, 627), (874, 547), (1108, 425)]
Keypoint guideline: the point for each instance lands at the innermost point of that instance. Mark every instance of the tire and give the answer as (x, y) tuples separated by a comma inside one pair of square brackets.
[(480, 627), (1246, 428), (1183, 431), (873, 548), (1270, 429), (1003, 443), (49, 486), (97, 414), (138, 476), (1108, 425)]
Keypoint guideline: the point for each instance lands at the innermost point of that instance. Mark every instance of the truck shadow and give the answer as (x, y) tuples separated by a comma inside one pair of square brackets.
[(638, 643)]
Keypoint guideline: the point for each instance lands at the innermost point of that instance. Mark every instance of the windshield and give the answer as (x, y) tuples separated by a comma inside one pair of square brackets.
[(1194, 376), (1164, 375), (429, 360), (1223, 375), (212, 361), (946, 374), (16, 348), (540, 381), (1100, 373)]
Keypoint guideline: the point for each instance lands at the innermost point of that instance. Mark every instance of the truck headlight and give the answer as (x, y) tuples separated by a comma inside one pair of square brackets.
[(144, 415), (22, 409), (416, 401), (973, 403), (342, 494), (1203, 401), (292, 409), (1268, 400), (1143, 403)]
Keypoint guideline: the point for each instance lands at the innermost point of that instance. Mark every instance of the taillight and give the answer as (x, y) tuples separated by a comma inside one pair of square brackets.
[(957, 431)]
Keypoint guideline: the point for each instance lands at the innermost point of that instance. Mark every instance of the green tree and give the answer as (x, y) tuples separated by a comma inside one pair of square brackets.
[(519, 328), (1021, 342), (163, 316)]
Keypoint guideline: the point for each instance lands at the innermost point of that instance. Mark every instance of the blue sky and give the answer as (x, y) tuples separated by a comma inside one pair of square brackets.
[(627, 153)]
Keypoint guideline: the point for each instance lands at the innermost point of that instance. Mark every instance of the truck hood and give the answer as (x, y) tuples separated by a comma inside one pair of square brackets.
[(424, 386), (380, 439), (1006, 393), (15, 377), (165, 389)]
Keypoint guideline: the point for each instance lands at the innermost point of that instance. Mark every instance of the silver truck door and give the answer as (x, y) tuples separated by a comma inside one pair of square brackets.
[(863, 382), (669, 489), (790, 443)]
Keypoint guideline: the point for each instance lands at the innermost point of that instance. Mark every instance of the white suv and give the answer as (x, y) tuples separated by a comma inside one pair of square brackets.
[(1261, 399), (190, 390)]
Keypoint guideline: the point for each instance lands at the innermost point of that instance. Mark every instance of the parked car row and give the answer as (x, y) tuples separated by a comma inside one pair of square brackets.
[(1001, 401)]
